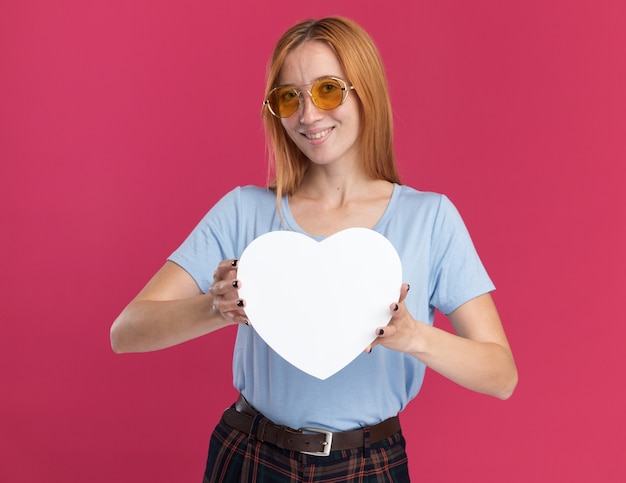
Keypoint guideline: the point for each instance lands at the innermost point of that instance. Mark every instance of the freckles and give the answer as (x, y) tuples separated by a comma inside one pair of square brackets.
[(292, 134), (288, 123), (285, 124)]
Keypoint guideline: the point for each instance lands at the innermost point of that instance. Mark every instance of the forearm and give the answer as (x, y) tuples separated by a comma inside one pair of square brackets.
[(485, 367), (148, 325), (477, 356)]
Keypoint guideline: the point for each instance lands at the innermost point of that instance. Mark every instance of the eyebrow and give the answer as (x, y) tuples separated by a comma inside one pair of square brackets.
[(311, 83)]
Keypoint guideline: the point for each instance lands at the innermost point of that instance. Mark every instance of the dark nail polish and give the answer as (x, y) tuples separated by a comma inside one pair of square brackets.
[(236, 284), (381, 332), (239, 303), (234, 262), (408, 287), (396, 307)]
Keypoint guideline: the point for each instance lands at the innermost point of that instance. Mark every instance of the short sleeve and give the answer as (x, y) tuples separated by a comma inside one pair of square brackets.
[(457, 273), (211, 241)]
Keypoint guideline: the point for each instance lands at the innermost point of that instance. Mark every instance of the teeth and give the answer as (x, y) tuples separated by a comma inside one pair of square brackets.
[(318, 135)]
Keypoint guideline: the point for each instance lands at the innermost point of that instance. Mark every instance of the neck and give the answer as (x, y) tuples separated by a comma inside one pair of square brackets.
[(324, 205), (334, 183)]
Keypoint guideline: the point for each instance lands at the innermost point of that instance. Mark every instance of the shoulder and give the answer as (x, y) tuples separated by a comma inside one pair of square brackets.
[(245, 196), (412, 199), (244, 209), (408, 192), (426, 210), (251, 194)]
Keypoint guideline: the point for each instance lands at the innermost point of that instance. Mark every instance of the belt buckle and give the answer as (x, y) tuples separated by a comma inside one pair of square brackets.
[(328, 442)]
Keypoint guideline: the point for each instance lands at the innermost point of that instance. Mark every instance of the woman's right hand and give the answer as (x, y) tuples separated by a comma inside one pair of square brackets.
[(225, 292)]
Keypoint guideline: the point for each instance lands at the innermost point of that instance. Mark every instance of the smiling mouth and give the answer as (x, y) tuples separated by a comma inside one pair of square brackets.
[(318, 135)]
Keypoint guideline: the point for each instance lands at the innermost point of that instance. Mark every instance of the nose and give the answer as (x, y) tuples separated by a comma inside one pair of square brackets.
[(309, 112)]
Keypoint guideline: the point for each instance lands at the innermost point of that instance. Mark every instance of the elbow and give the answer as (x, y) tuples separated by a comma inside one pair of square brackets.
[(116, 344), (508, 386), (118, 339), (506, 393), (128, 334), (124, 332)]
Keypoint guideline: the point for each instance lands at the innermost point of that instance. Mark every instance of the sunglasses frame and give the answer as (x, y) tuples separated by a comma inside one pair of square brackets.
[(345, 88)]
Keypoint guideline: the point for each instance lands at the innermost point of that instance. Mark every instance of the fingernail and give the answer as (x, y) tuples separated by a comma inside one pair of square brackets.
[(381, 331), (408, 287), (239, 303), (395, 308), (236, 283), (234, 262)]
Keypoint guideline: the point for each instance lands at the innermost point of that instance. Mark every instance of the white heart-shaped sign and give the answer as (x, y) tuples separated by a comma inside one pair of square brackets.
[(318, 304)]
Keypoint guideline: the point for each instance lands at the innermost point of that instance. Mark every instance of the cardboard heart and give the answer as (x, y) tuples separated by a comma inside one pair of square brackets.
[(318, 304)]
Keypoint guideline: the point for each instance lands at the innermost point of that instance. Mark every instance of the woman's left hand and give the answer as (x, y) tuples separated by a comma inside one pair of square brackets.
[(477, 356), (400, 332)]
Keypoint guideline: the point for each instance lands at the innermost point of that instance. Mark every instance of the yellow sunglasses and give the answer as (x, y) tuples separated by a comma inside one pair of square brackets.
[(326, 93)]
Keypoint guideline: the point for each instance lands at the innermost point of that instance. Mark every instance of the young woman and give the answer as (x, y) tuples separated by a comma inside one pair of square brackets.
[(329, 127)]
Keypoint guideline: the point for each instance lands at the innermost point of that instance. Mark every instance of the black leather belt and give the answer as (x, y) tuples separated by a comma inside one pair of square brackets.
[(313, 441)]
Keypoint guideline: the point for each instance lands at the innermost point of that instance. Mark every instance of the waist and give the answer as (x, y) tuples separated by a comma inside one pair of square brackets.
[(312, 441)]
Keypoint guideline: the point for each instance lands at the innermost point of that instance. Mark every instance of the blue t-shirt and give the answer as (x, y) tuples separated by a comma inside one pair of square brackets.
[(438, 261)]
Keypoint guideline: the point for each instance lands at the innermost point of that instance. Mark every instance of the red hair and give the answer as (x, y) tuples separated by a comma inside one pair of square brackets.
[(361, 62)]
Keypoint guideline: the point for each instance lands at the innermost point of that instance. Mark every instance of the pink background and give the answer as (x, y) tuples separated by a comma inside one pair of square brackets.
[(122, 122)]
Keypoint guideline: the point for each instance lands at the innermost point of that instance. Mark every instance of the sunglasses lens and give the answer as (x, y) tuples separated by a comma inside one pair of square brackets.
[(327, 94), (284, 101)]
